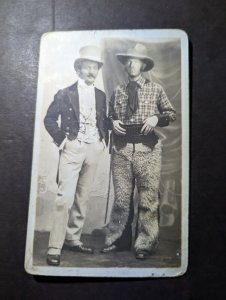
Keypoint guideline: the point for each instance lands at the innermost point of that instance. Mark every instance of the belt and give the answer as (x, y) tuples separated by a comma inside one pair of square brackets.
[(134, 136)]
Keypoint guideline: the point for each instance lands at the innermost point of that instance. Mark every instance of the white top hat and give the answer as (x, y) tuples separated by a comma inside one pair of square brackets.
[(90, 52)]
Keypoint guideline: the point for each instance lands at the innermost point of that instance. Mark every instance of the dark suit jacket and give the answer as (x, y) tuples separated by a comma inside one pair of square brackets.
[(66, 105)]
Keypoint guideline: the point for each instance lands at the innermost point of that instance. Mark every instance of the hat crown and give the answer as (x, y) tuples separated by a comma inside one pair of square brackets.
[(90, 51), (138, 49)]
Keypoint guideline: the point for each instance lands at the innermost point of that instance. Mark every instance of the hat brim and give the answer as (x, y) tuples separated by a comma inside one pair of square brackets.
[(147, 60), (79, 60)]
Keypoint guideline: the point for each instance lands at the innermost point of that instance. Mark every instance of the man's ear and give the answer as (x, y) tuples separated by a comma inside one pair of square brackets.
[(77, 67), (78, 71)]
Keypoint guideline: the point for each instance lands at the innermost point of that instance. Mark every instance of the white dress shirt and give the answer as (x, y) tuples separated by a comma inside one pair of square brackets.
[(88, 131)]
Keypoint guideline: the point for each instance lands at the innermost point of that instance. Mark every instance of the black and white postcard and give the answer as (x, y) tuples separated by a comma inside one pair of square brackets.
[(110, 172)]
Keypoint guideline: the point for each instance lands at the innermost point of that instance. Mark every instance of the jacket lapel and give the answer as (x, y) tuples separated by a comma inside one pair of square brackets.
[(74, 98)]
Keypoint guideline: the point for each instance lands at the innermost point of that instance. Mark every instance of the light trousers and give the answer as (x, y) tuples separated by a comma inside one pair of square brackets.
[(77, 168)]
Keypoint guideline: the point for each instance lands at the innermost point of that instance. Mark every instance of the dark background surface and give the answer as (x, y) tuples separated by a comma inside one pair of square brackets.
[(21, 24)]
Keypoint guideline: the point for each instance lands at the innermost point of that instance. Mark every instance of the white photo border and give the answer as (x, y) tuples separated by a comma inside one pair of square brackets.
[(118, 272)]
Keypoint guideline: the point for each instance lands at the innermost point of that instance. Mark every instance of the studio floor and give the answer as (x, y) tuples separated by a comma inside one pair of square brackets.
[(167, 254)]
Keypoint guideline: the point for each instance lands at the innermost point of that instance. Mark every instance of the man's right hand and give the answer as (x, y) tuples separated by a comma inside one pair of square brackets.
[(117, 128)]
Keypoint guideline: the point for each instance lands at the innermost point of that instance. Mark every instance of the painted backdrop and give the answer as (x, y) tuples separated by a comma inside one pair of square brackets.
[(58, 53)]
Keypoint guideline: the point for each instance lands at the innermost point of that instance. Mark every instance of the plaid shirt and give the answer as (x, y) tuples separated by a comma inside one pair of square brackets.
[(152, 100)]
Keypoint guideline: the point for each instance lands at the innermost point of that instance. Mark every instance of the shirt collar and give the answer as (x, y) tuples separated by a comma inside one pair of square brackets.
[(83, 85), (140, 81)]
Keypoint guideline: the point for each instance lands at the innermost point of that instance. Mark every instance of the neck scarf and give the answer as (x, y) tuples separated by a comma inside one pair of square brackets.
[(132, 105)]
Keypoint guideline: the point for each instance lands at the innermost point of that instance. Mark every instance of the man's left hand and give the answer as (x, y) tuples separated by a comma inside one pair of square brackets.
[(149, 124)]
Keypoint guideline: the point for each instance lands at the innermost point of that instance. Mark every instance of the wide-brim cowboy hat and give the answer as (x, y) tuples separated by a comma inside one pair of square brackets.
[(138, 51), (91, 53)]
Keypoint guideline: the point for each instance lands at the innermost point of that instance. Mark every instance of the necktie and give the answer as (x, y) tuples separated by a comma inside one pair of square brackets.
[(132, 104)]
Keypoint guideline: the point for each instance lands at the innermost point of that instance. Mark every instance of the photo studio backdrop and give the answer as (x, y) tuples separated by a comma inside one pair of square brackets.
[(56, 72)]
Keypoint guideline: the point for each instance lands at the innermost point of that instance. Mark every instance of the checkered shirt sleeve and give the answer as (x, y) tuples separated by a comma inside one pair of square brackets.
[(164, 105)]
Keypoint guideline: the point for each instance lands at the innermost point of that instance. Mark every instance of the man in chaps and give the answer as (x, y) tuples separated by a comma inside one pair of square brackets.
[(135, 110), (81, 137)]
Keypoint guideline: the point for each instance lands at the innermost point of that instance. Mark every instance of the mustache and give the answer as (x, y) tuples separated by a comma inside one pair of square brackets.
[(91, 75)]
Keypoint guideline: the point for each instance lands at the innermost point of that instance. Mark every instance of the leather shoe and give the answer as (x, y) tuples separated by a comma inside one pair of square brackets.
[(109, 249), (53, 259), (141, 254), (80, 248)]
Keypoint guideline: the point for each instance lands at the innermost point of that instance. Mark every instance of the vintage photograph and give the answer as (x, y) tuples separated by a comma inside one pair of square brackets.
[(110, 171)]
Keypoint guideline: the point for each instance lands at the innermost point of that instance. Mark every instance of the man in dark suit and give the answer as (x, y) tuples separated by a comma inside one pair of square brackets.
[(81, 137)]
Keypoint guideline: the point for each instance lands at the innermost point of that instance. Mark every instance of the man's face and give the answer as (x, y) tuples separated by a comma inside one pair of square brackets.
[(88, 71), (133, 66)]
